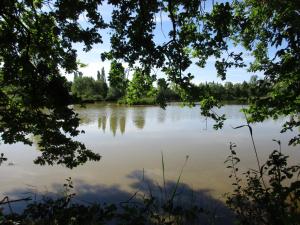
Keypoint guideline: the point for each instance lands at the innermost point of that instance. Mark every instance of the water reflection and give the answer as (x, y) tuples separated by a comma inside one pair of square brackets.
[(161, 116), (122, 122), (132, 138), (102, 122), (113, 123), (139, 118), (117, 119)]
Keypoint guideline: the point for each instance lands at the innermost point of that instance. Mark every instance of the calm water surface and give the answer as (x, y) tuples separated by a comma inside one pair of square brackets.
[(131, 141)]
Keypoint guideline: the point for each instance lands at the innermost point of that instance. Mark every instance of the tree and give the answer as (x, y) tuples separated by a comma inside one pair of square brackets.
[(89, 89), (245, 88), (229, 90), (267, 29), (102, 76), (102, 89), (162, 84), (162, 91), (270, 31), (83, 87), (117, 81), (101, 82), (140, 86), (98, 75), (35, 45)]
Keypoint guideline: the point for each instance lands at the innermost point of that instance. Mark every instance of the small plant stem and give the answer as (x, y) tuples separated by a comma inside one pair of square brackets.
[(255, 150), (163, 171), (178, 179), (234, 169)]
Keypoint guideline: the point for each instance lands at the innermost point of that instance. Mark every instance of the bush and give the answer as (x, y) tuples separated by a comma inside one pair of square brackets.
[(269, 196), (141, 101)]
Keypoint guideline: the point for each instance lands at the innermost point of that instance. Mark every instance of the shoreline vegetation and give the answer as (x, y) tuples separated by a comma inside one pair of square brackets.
[(143, 89), (151, 102)]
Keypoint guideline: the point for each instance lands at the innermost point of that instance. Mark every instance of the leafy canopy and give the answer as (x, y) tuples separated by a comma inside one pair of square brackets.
[(269, 30), (117, 80), (36, 40), (140, 86)]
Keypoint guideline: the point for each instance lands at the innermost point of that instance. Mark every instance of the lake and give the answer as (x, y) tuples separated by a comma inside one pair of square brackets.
[(132, 140)]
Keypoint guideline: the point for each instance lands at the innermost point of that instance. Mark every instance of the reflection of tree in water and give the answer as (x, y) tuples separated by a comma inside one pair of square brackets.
[(102, 122), (85, 119), (113, 122), (139, 118), (117, 118), (122, 122), (161, 115)]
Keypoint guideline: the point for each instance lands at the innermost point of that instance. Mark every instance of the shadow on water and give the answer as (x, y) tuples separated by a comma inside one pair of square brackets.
[(142, 186), (185, 196)]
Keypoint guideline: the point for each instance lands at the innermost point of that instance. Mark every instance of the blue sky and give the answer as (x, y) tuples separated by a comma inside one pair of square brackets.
[(209, 74)]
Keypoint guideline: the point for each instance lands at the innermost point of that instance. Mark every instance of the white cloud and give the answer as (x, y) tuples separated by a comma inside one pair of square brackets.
[(91, 69)]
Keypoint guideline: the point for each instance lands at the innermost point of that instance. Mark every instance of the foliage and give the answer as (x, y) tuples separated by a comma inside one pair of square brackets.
[(103, 84), (268, 30), (114, 94), (270, 195), (243, 92), (162, 87), (206, 110), (117, 81), (61, 210), (141, 91), (140, 101), (165, 93), (193, 34), (101, 89), (141, 86), (147, 210), (35, 45), (88, 88)]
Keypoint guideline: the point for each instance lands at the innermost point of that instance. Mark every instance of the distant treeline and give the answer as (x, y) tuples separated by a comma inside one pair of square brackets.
[(231, 92), (140, 89)]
